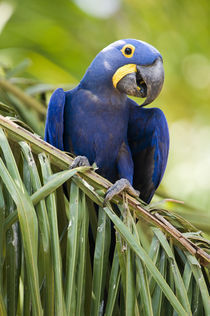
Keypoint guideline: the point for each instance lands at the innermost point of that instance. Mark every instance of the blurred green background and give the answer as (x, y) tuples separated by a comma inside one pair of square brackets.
[(55, 41)]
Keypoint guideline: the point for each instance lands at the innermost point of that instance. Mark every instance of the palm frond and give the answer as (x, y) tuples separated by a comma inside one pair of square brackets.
[(58, 268)]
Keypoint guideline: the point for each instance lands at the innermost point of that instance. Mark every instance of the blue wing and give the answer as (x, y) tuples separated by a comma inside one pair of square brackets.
[(148, 139), (55, 119)]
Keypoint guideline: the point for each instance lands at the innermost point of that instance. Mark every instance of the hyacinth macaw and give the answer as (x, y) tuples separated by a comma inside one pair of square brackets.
[(97, 122)]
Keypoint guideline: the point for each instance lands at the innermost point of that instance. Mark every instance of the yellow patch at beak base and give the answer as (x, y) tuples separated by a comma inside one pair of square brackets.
[(122, 72)]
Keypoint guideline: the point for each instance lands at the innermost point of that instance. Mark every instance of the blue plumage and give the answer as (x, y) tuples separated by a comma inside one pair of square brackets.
[(99, 121), (149, 142)]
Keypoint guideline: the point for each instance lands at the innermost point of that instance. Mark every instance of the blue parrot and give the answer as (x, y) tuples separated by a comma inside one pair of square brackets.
[(98, 123)]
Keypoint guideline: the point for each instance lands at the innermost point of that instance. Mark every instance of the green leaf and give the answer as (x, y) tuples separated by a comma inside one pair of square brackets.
[(146, 259), (81, 271), (157, 298), (100, 263), (121, 248), (55, 245), (52, 183), (46, 263), (18, 69), (180, 288), (26, 99), (7, 110), (73, 247), (130, 285), (142, 283), (114, 282), (197, 272), (28, 222), (3, 311), (2, 250)]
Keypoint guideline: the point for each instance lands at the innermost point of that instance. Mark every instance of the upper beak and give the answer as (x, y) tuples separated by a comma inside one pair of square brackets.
[(145, 81), (153, 76)]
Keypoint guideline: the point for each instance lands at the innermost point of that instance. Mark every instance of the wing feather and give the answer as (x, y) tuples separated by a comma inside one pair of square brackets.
[(148, 139), (54, 127)]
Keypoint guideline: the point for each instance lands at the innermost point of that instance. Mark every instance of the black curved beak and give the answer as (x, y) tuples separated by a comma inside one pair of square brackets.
[(146, 83), (153, 76)]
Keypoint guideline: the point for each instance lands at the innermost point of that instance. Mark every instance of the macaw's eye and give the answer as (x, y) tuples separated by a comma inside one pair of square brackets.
[(128, 50)]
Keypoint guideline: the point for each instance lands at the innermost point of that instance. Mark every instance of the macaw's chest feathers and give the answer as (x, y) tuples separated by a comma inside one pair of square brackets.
[(97, 128), (99, 121)]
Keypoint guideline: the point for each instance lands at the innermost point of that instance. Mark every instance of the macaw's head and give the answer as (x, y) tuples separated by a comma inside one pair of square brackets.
[(127, 66)]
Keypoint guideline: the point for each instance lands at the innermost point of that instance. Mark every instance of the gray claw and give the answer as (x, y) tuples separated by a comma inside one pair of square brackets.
[(80, 161), (118, 187)]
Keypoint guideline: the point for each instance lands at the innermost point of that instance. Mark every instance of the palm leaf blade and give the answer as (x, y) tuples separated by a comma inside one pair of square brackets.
[(124, 280)]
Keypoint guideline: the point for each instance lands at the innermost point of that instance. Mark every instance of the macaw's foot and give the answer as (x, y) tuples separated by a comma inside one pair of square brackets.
[(118, 187), (80, 161)]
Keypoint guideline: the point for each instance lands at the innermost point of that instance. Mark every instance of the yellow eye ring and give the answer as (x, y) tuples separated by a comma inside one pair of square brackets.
[(128, 50)]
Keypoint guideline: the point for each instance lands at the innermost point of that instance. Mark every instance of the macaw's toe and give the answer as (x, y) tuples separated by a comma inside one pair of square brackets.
[(80, 161), (118, 187)]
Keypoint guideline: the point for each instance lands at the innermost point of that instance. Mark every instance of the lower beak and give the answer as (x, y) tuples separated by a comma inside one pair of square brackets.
[(145, 82)]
